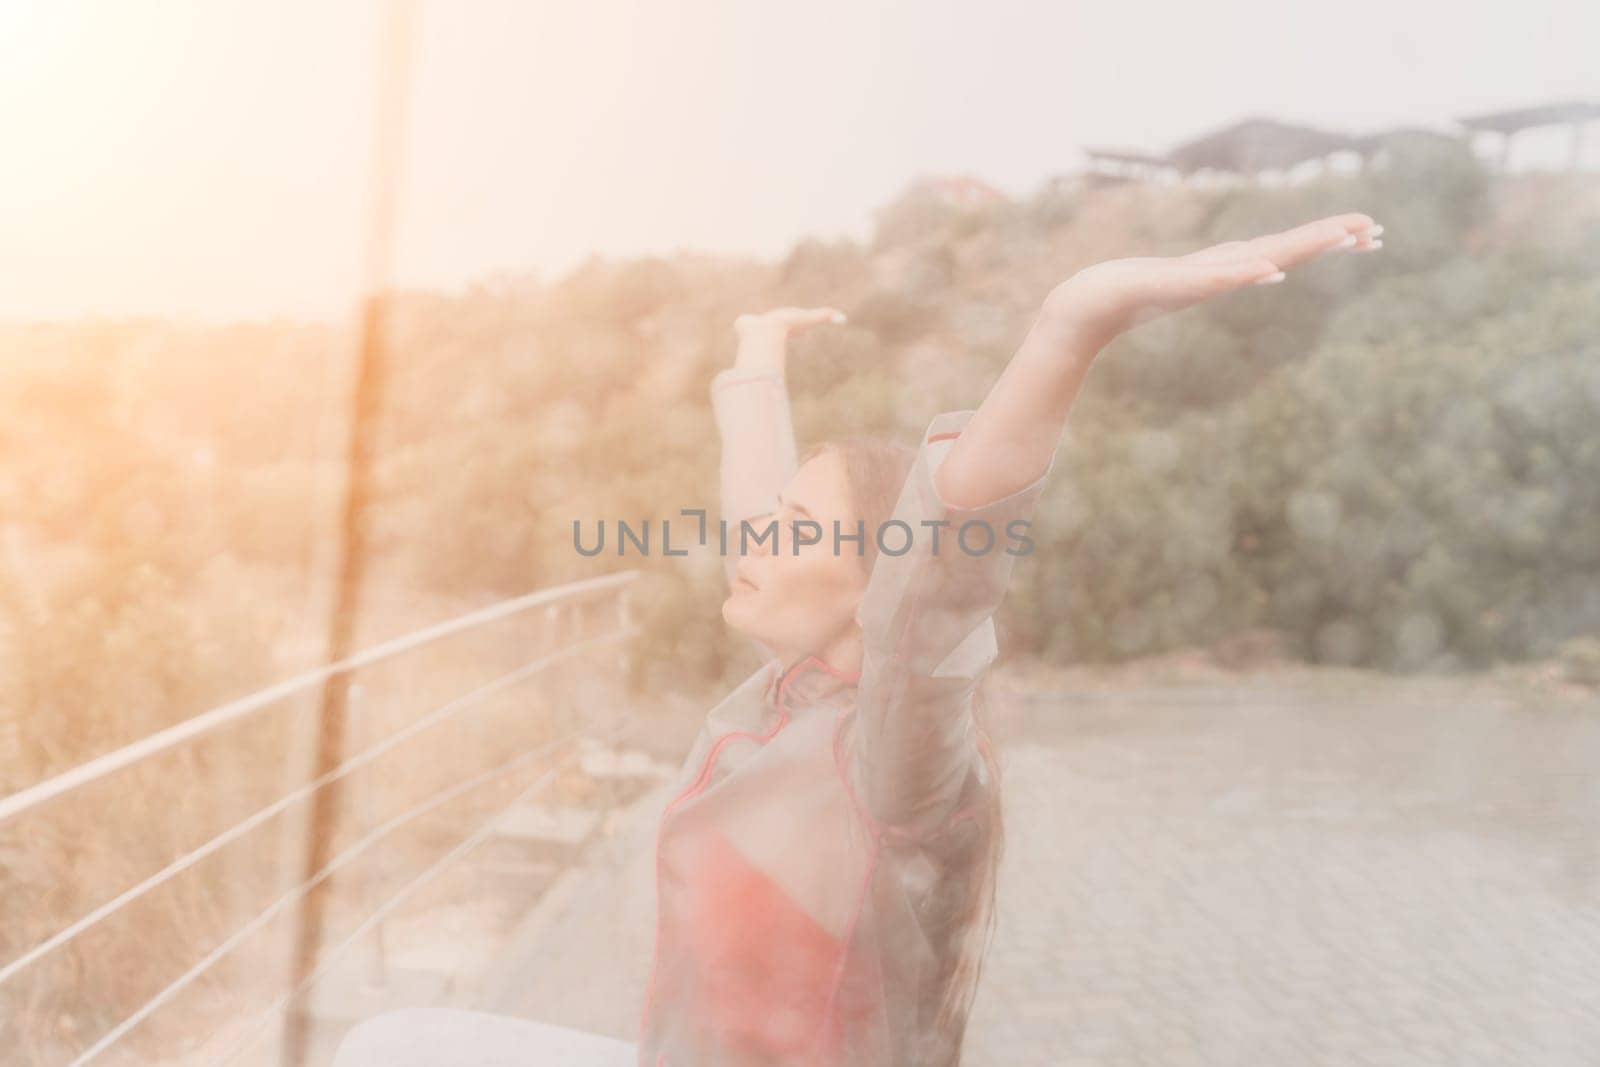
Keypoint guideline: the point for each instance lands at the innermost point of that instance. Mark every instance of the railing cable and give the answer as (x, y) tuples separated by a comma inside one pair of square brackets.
[(237, 831), (204, 723), (342, 860)]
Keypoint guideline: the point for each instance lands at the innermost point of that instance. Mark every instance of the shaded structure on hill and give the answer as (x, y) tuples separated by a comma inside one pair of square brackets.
[(1507, 124), (1108, 166), (1250, 149), (1257, 147)]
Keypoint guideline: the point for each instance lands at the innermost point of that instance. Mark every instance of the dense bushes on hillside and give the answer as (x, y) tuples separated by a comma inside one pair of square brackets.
[(1389, 458), (1403, 503)]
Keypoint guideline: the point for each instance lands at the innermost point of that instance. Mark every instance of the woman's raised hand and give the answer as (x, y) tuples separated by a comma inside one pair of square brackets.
[(764, 338), (1102, 301), (787, 320)]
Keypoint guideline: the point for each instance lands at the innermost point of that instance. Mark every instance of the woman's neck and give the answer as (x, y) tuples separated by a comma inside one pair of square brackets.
[(843, 654)]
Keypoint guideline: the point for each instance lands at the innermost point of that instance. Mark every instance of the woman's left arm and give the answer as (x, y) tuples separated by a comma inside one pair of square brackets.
[(926, 616), (1011, 439)]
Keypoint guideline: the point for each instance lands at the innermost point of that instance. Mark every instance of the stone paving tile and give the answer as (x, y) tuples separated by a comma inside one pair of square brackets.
[(1280, 899), (1239, 879)]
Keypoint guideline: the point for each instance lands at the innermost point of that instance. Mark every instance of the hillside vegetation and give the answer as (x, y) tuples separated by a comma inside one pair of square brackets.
[(1391, 460)]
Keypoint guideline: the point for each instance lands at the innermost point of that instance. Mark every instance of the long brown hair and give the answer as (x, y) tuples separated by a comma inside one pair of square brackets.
[(876, 469)]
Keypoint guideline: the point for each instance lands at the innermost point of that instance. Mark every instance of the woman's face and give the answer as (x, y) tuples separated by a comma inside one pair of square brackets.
[(797, 602)]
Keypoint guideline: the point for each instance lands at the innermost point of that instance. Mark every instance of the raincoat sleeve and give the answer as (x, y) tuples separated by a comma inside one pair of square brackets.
[(928, 637), (758, 447)]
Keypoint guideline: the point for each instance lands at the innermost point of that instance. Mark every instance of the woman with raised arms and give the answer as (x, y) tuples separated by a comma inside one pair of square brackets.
[(826, 865)]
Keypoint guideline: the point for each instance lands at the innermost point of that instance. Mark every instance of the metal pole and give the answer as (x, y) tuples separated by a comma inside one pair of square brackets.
[(394, 71)]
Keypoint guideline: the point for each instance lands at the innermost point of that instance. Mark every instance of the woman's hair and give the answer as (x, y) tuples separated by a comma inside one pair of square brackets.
[(876, 470)]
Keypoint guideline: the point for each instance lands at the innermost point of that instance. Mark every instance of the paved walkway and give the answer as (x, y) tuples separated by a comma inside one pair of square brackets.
[(1227, 875)]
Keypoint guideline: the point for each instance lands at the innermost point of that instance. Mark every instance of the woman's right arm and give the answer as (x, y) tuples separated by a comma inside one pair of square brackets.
[(750, 402)]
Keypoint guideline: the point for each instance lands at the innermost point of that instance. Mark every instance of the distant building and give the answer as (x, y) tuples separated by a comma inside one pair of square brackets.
[(1109, 166), (1506, 125), (1258, 147), (1249, 150), (1375, 147)]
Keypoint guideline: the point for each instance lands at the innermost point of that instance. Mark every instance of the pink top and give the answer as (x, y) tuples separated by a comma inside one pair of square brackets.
[(821, 819)]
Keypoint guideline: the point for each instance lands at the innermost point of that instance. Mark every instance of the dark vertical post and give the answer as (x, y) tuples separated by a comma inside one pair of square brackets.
[(394, 59)]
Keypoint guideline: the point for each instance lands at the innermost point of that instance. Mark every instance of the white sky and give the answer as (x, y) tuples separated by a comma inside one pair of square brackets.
[(209, 157)]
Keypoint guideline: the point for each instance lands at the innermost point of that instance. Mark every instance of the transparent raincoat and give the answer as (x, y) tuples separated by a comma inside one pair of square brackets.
[(824, 822)]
